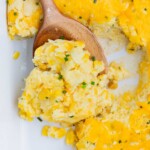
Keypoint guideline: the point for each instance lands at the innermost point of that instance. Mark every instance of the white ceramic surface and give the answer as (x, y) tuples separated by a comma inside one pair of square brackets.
[(15, 133)]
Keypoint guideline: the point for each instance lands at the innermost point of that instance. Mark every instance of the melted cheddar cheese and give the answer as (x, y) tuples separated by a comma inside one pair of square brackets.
[(97, 134)]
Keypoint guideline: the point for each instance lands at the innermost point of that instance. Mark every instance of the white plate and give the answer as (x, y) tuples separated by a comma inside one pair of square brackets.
[(15, 133)]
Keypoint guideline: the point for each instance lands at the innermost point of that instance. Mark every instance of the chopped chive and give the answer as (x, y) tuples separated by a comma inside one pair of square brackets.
[(66, 59), (94, 1), (80, 17), (148, 102), (15, 13), (131, 49), (37, 3), (148, 122), (113, 25), (39, 119), (62, 37), (92, 83), (56, 101), (71, 116), (67, 55), (64, 91), (90, 143), (84, 85), (46, 97), (60, 77)]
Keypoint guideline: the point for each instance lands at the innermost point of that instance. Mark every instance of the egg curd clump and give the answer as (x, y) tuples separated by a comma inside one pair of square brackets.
[(53, 132), (65, 83), (24, 17)]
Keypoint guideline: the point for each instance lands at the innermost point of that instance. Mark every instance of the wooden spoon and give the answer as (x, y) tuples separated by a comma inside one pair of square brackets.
[(55, 25)]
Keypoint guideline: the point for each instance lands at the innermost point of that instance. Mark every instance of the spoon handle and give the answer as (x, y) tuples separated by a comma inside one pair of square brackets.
[(50, 10)]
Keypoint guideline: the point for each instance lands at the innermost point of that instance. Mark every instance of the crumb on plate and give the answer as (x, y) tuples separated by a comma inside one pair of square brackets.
[(16, 55)]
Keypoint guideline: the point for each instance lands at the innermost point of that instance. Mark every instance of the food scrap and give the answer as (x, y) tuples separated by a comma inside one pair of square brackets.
[(16, 55)]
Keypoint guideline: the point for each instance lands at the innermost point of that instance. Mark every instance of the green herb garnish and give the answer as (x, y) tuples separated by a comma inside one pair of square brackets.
[(106, 17), (93, 58), (84, 85), (39, 119), (64, 91), (15, 13), (71, 116), (62, 37), (94, 1), (56, 101), (60, 77)]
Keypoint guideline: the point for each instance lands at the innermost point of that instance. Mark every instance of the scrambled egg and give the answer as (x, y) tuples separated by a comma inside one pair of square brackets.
[(65, 82), (24, 17)]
